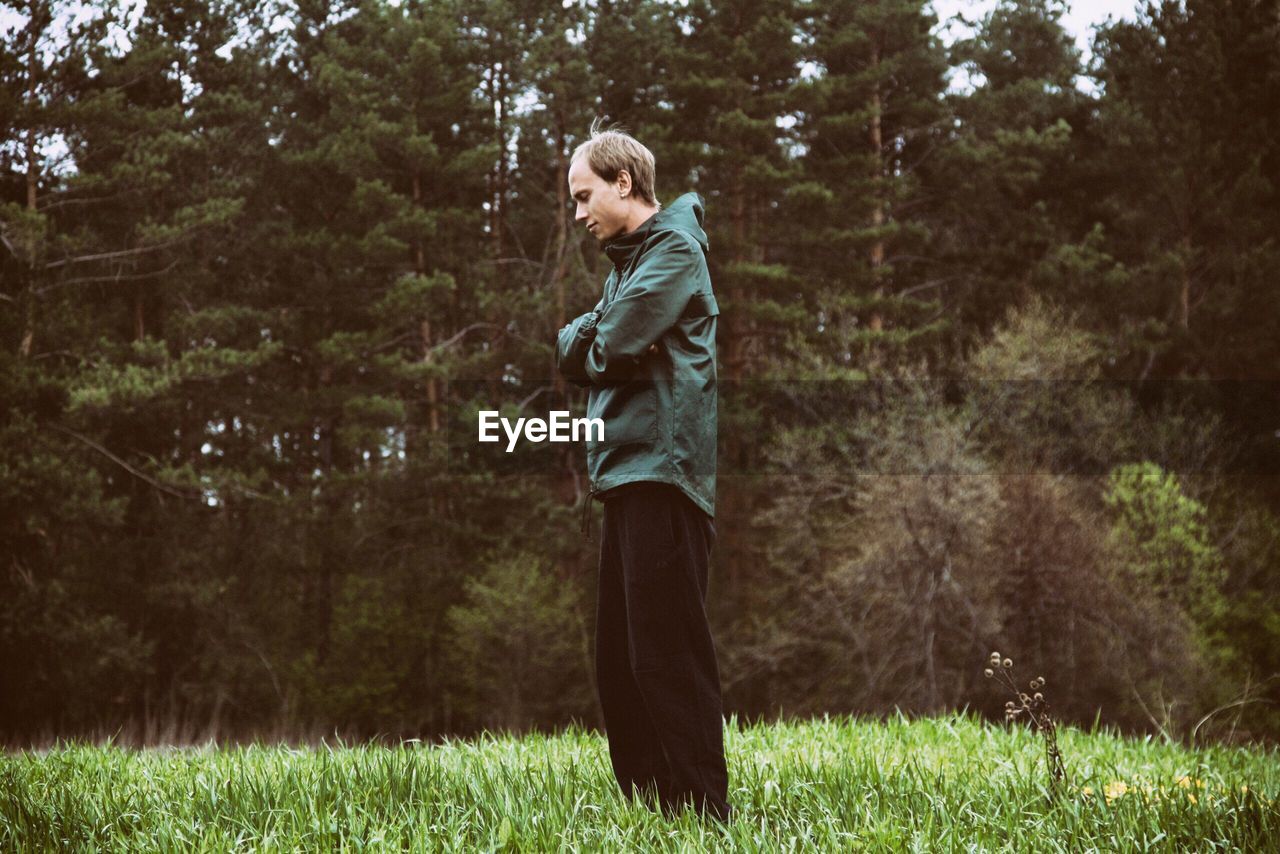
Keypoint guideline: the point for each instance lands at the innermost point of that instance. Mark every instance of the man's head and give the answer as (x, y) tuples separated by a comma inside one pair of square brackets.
[(611, 179)]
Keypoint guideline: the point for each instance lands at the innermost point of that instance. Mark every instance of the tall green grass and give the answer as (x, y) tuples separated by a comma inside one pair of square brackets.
[(949, 783)]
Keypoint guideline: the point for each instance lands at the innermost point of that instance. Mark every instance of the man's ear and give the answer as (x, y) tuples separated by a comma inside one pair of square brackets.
[(624, 182)]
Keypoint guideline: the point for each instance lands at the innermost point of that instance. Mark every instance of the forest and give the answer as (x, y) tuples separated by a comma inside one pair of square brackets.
[(998, 358)]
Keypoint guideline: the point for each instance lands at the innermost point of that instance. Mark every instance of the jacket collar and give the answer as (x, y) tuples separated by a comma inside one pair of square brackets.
[(684, 214), (622, 248)]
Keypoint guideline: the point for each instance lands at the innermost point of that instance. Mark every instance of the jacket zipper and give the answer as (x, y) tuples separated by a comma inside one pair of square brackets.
[(629, 267)]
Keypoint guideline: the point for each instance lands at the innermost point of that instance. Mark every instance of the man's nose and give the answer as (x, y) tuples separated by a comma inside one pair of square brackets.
[(580, 214)]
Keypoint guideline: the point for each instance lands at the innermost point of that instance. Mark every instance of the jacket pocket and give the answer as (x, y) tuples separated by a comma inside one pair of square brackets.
[(629, 411)]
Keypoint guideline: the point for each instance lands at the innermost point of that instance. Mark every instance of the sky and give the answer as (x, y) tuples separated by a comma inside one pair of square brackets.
[(1081, 16), (1079, 19)]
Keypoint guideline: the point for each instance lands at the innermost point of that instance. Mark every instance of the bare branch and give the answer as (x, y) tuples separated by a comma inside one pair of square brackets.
[(85, 280), (107, 256), (932, 283), (455, 338), (495, 261), (130, 469), (61, 203), (520, 407)]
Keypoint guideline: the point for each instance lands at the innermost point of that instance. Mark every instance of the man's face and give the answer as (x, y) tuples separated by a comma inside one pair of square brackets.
[(598, 205)]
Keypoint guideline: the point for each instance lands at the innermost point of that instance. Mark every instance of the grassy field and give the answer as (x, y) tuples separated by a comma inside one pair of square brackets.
[(951, 783)]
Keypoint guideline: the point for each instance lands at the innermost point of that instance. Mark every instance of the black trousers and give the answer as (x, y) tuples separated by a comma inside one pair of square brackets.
[(656, 668)]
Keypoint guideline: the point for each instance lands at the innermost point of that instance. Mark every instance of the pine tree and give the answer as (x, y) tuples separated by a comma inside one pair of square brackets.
[(114, 203), (870, 118), (730, 82), (1013, 203), (1189, 129)]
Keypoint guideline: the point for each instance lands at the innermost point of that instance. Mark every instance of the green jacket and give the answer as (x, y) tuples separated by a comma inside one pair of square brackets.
[(658, 409)]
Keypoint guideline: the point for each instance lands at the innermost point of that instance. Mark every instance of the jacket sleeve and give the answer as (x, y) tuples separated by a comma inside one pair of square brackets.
[(649, 304), (571, 348)]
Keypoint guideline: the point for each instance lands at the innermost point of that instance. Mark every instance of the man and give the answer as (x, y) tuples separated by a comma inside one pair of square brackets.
[(647, 353)]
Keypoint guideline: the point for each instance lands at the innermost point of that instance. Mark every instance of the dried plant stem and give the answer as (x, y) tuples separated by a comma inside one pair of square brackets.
[(1034, 708)]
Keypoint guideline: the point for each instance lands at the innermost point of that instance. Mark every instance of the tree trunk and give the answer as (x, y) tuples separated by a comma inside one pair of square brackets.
[(324, 580), (139, 315), (569, 485), (29, 313), (562, 225), (876, 142), (433, 389), (498, 89), (420, 267), (1184, 288), (739, 332), (736, 505), (32, 169)]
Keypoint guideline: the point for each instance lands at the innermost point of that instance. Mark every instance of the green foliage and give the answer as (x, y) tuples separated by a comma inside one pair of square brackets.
[(1164, 541), (518, 645), (25, 232), (126, 386), (1037, 398), (413, 296), (362, 678)]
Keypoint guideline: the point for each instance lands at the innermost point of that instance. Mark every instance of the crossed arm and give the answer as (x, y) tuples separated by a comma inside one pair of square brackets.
[(604, 346)]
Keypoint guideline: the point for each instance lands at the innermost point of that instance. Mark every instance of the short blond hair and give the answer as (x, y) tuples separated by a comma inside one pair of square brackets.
[(612, 150)]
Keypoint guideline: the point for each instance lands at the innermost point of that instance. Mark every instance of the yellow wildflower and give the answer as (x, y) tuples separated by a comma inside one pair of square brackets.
[(1116, 789)]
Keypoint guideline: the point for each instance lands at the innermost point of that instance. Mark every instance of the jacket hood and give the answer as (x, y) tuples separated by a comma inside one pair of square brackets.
[(684, 214)]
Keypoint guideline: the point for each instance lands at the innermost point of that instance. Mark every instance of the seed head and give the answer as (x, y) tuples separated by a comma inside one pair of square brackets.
[(1008, 662), (988, 673)]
